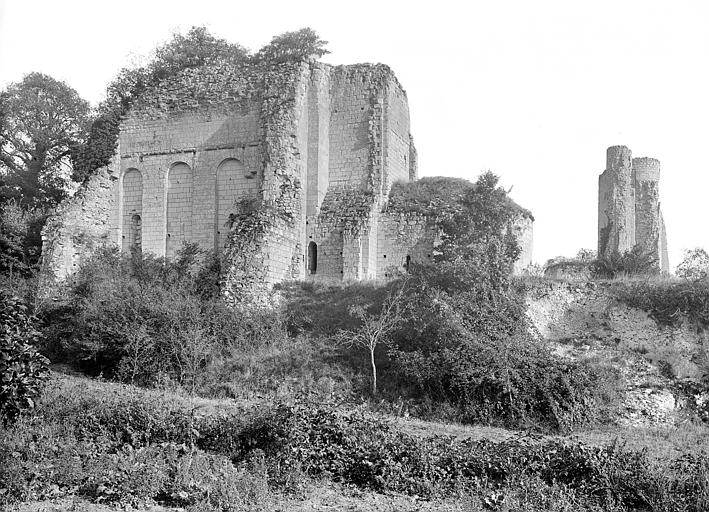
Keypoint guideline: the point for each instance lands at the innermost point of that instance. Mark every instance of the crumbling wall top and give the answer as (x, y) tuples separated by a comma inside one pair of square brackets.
[(618, 157), (217, 88), (646, 169), (375, 74)]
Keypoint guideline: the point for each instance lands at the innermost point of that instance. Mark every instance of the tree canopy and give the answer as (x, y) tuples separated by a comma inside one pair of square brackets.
[(41, 120), (300, 44)]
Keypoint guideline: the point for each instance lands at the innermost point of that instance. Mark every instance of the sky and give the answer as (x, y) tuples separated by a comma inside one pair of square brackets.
[(534, 91)]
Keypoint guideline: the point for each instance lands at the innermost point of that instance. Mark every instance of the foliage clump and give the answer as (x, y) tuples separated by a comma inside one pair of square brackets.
[(42, 121), (465, 339), (114, 444), (145, 320), (23, 370), (369, 453), (694, 265), (668, 302), (638, 261), (293, 46), (20, 238)]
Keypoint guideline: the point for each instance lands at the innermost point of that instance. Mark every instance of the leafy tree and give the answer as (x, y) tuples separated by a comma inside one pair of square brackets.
[(292, 46), (20, 238), (483, 215), (694, 265), (41, 120), (194, 49)]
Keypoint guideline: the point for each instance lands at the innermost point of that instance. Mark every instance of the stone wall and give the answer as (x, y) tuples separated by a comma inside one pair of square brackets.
[(180, 174), (404, 239), (80, 225)]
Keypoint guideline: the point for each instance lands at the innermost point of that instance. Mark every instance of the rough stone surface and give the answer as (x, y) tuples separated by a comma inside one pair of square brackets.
[(80, 226), (629, 206), (584, 320), (589, 313)]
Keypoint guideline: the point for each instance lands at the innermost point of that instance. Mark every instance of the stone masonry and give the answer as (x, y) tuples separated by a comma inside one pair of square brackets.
[(629, 211), (311, 149)]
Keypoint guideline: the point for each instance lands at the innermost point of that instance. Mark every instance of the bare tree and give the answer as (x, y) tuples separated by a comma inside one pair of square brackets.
[(375, 329)]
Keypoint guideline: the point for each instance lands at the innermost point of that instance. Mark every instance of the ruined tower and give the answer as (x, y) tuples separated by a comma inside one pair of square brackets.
[(629, 211)]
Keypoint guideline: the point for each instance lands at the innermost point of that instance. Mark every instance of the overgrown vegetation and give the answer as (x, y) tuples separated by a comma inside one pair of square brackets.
[(111, 445), (668, 302), (157, 323), (466, 340), (638, 261), (20, 238), (145, 320), (23, 370)]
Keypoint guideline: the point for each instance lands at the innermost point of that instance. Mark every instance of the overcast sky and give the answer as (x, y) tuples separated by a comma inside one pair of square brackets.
[(533, 90)]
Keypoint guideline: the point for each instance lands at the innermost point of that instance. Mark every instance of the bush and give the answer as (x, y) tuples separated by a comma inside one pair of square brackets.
[(292, 46), (637, 261), (466, 342), (111, 443), (23, 370), (147, 320), (465, 339), (357, 449)]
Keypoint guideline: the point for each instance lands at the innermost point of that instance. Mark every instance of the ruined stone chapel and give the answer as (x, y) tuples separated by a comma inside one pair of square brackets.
[(305, 154)]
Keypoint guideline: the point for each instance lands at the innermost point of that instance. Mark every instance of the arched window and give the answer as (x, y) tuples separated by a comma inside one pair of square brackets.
[(312, 258), (179, 207), (132, 207)]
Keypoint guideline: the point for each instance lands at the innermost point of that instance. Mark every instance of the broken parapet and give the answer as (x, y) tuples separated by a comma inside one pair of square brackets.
[(629, 206)]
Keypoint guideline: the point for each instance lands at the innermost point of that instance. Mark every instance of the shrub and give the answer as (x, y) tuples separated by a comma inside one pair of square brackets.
[(23, 370), (145, 320), (135, 446), (634, 262), (466, 342), (465, 339), (357, 449)]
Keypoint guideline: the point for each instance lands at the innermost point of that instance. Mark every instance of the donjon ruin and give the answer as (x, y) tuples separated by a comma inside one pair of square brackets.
[(629, 211), (286, 169)]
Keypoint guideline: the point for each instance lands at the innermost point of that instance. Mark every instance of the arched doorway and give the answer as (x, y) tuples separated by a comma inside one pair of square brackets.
[(312, 258)]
